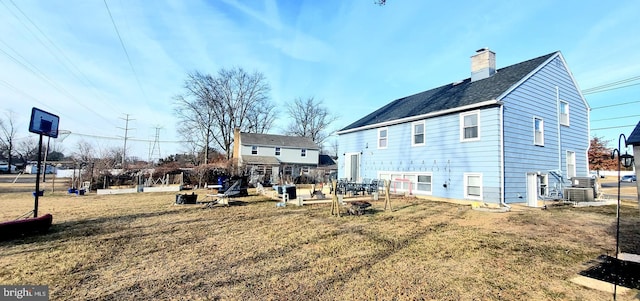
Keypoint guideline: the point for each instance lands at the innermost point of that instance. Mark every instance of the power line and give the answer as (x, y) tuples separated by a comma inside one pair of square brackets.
[(616, 105), (610, 89), (612, 84), (135, 74), (38, 73), (614, 127), (60, 51), (128, 139), (25, 94), (615, 118)]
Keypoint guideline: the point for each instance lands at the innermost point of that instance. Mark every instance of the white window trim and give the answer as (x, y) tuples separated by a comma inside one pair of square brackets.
[(462, 115), (303, 152), (387, 175), (568, 113), (252, 147), (573, 171), (277, 151), (544, 184), (534, 130), (413, 133), (466, 184), (424, 174), (387, 138)]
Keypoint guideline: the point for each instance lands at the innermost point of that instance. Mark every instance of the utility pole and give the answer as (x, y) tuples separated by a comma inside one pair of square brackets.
[(126, 132), (156, 145)]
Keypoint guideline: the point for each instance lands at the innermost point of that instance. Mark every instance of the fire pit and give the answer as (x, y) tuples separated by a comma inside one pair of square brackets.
[(358, 207)]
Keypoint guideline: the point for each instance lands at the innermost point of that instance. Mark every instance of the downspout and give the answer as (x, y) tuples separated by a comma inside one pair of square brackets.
[(502, 195), (559, 138)]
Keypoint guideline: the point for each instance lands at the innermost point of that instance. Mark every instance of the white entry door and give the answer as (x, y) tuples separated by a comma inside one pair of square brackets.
[(532, 190), (352, 166)]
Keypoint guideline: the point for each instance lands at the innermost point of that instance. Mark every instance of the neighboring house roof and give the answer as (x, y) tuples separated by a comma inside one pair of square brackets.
[(277, 141), (327, 161), (450, 96), (260, 160), (634, 138)]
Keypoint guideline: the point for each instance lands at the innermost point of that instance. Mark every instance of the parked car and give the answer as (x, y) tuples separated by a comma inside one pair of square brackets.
[(4, 168), (628, 178)]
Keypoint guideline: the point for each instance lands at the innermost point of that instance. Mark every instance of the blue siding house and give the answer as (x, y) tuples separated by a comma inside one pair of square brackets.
[(515, 134)]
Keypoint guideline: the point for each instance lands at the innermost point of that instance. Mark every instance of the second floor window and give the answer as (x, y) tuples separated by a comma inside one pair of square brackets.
[(382, 138), (469, 126), (538, 131), (564, 113), (303, 152), (254, 150), (417, 130), (277, 151)]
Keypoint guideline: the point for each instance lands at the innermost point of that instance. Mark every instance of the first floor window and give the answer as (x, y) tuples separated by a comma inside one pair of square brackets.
[(473, 186), (544, 184), (571, 164), (254, 150)]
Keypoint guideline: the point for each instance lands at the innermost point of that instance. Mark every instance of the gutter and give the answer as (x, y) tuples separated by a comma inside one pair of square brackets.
[(423, 116)]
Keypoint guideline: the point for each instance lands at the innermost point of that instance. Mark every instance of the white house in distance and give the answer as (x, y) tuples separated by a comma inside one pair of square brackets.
[(275, 157), (515, 134), (634, 140)]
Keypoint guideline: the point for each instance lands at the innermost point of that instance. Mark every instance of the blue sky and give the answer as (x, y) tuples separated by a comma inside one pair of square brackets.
[(65, 57)]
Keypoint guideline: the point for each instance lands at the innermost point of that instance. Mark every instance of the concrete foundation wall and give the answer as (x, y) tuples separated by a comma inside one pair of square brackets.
[(162, 189), (117, 191)]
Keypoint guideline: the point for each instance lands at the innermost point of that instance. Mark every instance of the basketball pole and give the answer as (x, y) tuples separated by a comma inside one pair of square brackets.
[(37, 193)]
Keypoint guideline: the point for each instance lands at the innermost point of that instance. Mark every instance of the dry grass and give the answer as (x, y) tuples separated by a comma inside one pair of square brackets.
[(143, 247)]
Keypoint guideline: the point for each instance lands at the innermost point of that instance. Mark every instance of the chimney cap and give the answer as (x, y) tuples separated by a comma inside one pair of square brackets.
[(482, 49)]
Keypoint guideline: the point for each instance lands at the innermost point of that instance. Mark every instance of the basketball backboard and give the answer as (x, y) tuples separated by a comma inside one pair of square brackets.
[(44, 123)]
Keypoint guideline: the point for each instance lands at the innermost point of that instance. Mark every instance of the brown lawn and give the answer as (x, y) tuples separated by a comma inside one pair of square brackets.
[(143, 247)]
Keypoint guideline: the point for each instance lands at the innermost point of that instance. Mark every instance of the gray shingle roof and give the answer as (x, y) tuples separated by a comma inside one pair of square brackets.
[(451, 96), (634, 138), (260, 160), (277, 141)]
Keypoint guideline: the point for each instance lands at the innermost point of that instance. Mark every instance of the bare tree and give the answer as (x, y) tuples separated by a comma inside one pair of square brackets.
[(309, 118), (211, 107), (261, 118), (109, 158), (7, 136), (194, 112), (334, 148), (27, 149), (84, 152)]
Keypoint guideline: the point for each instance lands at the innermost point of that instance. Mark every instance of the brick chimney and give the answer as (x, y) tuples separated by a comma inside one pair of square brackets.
[(236, 146), (483, 64)]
